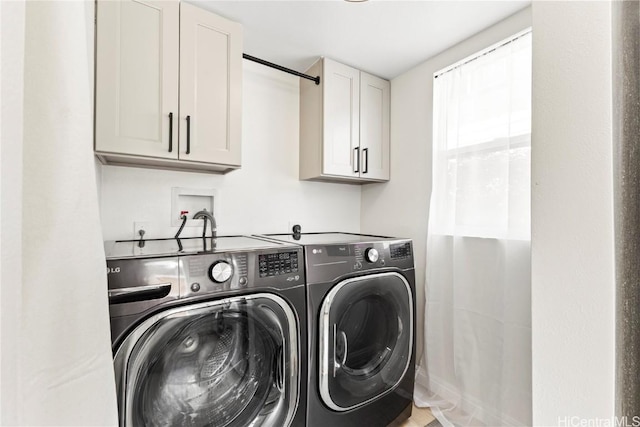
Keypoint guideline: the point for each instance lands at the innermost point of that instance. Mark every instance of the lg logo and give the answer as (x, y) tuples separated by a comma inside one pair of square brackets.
[(112, 270)]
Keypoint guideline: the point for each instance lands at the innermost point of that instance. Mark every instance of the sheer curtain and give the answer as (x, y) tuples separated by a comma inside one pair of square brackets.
[(476, 368), (66, 367)]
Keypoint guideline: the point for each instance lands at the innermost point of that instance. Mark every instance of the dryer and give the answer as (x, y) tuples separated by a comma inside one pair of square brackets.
[(208, 332), (361, 307)]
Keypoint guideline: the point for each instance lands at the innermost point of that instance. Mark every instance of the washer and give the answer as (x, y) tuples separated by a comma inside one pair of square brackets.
[(207, 332), (360, 299)]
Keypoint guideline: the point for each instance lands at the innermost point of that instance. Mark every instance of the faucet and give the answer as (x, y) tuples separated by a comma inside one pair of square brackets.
[(206, 215)]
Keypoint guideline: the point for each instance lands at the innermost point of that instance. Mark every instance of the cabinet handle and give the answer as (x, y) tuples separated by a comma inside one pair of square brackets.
[(365, 154), (188, 135), (357, 160), (170, 132)]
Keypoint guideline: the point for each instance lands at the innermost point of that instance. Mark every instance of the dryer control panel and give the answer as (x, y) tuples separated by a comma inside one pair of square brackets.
[(400, 250), (329, 262)]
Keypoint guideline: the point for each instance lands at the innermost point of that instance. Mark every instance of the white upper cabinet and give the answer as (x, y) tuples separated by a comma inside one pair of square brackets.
[(136, 77), (168, 86), (344, 125), (210, 87), (374, 126), (341, 111)]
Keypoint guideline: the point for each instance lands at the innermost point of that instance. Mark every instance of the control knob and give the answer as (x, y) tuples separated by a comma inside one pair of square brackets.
[(220, 271), (371, 255)]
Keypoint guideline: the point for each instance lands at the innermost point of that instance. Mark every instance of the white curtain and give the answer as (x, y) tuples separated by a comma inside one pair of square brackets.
[(476, 368), (66, 370)]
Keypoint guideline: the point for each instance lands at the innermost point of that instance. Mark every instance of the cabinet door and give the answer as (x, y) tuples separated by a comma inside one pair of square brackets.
[(374, 127), (210, 87), (341, 120), (137, 77)]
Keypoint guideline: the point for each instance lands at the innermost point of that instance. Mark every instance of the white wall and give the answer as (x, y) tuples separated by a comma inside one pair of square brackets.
[(262, 197), (573, 286), (401, 206)]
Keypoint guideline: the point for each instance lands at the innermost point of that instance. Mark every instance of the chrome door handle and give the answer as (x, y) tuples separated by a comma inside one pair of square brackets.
[(138, 293), (280, 369), (343, 335), (344, 343)]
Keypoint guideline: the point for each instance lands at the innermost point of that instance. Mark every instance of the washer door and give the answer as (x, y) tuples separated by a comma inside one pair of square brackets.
[(231, 362), (366, 339)]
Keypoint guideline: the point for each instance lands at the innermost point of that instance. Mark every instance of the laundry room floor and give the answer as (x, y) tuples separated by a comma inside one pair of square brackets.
[(420, 417)]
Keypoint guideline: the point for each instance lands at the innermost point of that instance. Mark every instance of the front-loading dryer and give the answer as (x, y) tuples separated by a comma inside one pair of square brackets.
[(360, 298), (208, 333)]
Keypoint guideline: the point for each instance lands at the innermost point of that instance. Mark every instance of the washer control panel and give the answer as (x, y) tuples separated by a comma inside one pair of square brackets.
[(278, 263), (204, 274)]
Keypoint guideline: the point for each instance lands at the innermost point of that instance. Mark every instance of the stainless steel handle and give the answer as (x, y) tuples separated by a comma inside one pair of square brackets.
[(188, 135), (365, 154), (357, 159), (344, 342), (280, 366), (138, 293), (337, 365)]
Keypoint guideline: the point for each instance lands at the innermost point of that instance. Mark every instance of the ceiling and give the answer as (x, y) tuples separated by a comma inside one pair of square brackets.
[(384, 38)]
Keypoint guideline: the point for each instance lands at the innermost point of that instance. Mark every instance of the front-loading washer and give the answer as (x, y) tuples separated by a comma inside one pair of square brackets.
[(208, 333), (360, 300)]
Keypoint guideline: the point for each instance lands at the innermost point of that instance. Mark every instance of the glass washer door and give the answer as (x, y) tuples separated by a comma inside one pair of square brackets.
[(231, 362), (365, 339)]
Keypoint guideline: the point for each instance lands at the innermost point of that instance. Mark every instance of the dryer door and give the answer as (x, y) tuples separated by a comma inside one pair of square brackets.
[(230, 362), (366, 339)]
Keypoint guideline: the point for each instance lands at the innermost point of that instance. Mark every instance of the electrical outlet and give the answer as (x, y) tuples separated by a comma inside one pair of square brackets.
[(140, 230)]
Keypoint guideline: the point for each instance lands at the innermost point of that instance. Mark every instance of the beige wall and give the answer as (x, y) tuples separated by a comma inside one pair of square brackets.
[(401, 206)]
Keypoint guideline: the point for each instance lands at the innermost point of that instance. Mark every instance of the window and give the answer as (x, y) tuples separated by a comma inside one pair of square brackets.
[(482, 144)]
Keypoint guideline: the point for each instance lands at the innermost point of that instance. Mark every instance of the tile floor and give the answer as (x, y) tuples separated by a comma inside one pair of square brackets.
[(420, 417)]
